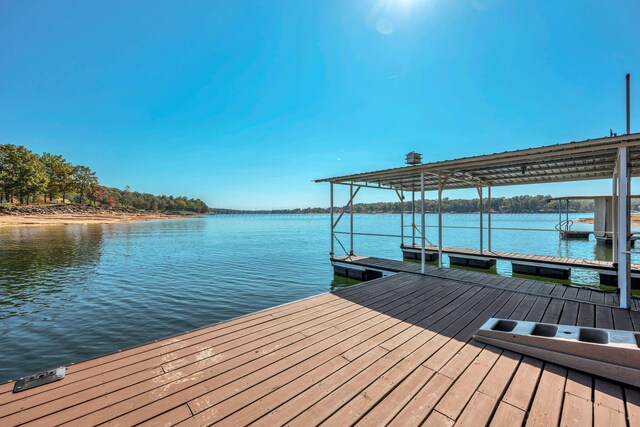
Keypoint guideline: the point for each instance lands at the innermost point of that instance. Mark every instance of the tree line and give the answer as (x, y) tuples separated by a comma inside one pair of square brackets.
[(150, 202), (27, 177), (516, 204)]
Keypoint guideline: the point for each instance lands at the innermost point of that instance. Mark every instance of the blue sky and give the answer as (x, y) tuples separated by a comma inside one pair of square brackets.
[(244, 103)]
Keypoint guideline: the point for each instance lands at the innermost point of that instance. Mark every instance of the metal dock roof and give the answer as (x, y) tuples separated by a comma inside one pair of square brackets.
[(572, 161)]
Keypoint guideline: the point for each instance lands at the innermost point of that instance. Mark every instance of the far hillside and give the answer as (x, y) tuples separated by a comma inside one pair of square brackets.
[(27, 178), (515, 204)]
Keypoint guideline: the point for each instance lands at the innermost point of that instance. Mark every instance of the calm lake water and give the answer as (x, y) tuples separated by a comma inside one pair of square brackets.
[(68, 293)]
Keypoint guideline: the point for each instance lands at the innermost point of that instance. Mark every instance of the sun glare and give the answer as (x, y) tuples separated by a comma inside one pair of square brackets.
[(385, 13)]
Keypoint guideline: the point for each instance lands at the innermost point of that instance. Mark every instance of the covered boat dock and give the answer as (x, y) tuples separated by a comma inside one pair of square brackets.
[(616, 158)]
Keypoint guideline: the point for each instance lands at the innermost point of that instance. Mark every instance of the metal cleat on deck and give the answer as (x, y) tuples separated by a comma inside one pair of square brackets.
[(41, 378), (604, 352)]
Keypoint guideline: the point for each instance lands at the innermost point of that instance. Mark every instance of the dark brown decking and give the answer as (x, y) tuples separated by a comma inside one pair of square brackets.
[(510, 256), (395, 350), (537, 287)]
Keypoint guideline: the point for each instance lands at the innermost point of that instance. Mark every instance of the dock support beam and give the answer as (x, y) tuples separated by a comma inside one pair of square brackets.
[(614, 216), (481, 222), (560, 218), (624, 256), (334, 224), (351, 212), (440, 187), (401, 196), (489, 218), (624, 229), (331, 215), (413, 218), (422, 221)]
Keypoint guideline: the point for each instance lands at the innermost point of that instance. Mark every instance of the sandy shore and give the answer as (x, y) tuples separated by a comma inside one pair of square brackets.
[(635, 220), (82, 218)]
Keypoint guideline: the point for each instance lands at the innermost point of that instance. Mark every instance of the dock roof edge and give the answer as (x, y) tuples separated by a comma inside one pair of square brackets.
[(572, 161)]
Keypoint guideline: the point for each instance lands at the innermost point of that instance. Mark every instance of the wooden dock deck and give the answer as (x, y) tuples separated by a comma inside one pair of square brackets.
[(510, 256), (394, 350)]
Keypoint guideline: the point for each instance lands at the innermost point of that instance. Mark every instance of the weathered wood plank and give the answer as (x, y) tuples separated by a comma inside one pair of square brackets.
[(547, 405), (417, 410), (521, 389), (507, 415), (478, 411), (576, 412), (632, 396), (459, 394), (586, 315), (604, 317), (569, 313), (622, 319)]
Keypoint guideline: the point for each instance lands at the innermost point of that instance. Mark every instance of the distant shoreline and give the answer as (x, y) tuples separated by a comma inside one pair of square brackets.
[(512, 205), (42, 220), (635, 220), (338, 212), (44, 215)]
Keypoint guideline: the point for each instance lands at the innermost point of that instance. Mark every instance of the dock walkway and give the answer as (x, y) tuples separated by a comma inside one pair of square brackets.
[(510, 256), (398, 350), (537, 287)]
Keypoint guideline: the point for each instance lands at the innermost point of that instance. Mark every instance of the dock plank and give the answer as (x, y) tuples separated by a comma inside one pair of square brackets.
[(521, 389), (546, 409), (604, 317), (507, 415), (576, 412), (586, 315)]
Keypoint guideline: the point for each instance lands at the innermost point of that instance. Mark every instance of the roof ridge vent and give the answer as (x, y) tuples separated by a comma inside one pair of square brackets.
[(413, 158)]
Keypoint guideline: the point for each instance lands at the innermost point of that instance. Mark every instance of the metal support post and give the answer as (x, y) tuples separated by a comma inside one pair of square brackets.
[(481, 224), (413, 218), (628, 87), (559, 218), (624, 257), (614, 218), (440, 185), (351, 227), (331, 217), (401, 218), (423, 236), (489, 219)]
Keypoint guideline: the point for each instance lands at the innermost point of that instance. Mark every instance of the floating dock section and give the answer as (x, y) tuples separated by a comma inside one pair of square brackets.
[(532, 265)]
